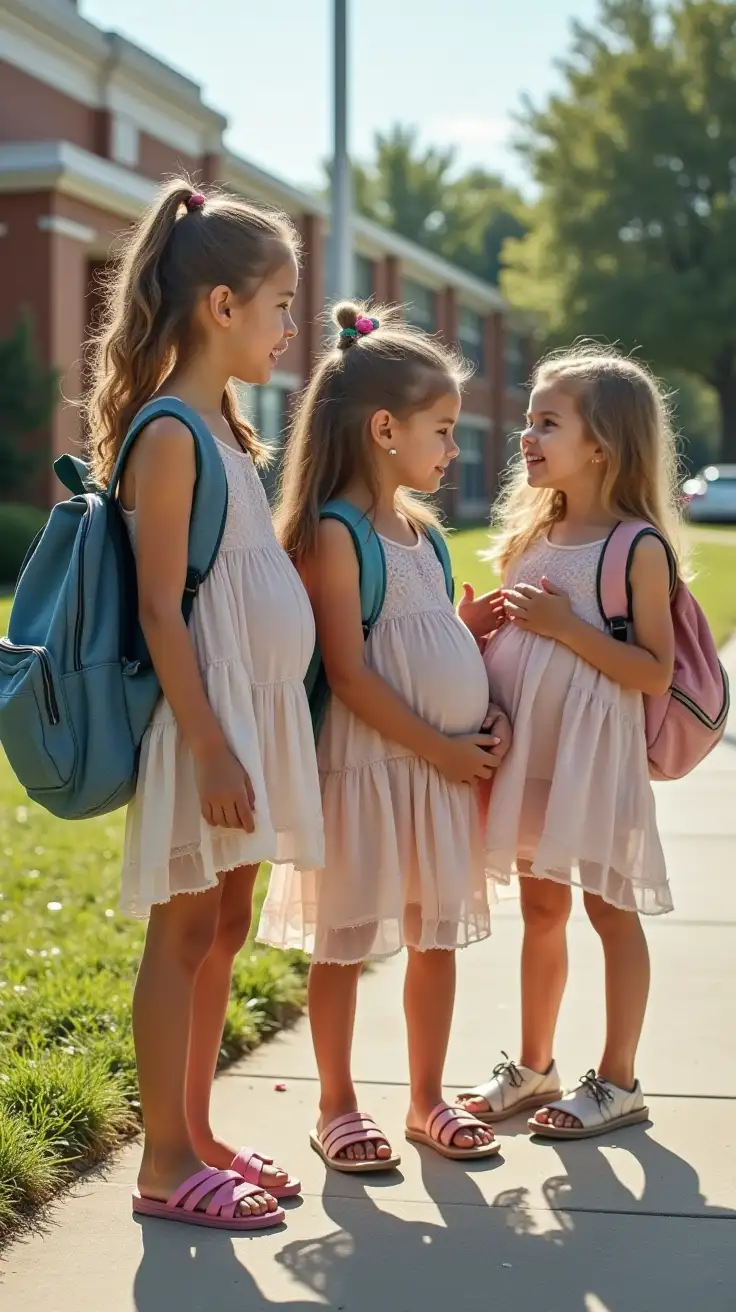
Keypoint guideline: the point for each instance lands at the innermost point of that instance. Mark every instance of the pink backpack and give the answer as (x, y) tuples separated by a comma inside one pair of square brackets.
[(689, 720)]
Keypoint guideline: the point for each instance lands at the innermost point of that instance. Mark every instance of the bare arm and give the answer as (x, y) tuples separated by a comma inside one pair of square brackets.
[(645, 665), (164, 474), (333, 581)]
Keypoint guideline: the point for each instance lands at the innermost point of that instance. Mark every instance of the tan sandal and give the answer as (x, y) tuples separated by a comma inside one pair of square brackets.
[(443, 1126), (346, 1132)]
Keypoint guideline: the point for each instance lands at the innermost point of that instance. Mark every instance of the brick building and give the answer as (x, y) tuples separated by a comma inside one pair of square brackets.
[(89, 124)]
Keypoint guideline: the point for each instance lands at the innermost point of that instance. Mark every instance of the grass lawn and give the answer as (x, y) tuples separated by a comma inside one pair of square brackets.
[(68, 959)]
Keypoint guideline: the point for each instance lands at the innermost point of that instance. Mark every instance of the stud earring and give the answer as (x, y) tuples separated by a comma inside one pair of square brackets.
[(392, 451)]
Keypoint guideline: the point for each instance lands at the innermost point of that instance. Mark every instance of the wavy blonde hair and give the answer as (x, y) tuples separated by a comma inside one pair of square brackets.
[(169, 259), (626, 412), (396, 368)]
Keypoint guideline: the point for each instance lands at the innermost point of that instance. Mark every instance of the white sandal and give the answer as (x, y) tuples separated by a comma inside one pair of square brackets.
[(513, 1089), (598, 1105)]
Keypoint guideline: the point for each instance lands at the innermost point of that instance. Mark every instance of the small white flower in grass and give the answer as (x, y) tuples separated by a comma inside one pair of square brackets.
[(43, 953), (53, 906), (19, 988), (30, 952), (70, 1051), (56, 952), (33, 874), (39, 851), (109, 913), (21, 815)]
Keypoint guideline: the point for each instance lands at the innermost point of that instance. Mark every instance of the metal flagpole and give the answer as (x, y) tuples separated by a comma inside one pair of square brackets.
[(340, 271)]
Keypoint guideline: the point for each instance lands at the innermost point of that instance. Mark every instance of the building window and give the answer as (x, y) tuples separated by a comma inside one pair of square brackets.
[(470, 337), (124, 144), (421, 305), (265, 409), (515, 367), (363, 276), (472, 441)]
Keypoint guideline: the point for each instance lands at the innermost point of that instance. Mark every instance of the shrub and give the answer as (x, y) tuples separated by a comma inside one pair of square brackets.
[(18, 527)]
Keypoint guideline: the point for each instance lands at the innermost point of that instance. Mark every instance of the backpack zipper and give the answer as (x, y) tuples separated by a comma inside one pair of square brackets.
[(698, 712), (80, 596), (49, 696)]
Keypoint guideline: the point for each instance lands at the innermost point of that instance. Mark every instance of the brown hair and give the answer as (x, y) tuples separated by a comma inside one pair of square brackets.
[(397, 368), (169, 259), (624, 410)]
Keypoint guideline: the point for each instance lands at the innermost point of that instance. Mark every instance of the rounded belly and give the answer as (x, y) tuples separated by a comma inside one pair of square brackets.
[(433, 661), (280, 621)]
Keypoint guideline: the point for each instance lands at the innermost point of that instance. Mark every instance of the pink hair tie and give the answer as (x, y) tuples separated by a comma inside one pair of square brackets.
[(364, 325), (195, 201)]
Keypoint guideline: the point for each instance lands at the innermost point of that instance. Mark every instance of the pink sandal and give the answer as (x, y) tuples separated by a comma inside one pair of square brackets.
[(228, 1188), (250, 1164), (443, 1125), (346, 1132)]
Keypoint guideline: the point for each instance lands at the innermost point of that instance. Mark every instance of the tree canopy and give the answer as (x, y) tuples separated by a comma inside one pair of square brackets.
[(633, 236), (417, 192)]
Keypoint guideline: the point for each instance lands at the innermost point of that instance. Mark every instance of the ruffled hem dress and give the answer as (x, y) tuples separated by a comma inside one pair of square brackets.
[(253, 633), (572, 801), (404, 862)]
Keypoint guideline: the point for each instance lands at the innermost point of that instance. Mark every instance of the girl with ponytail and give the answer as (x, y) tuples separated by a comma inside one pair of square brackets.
[(201, 297)]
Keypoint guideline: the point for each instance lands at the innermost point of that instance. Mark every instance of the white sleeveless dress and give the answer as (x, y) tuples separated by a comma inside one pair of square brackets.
[(253, 633), (572, 801), (404, 861)]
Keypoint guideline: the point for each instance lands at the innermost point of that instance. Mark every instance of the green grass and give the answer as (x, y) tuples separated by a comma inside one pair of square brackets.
[(68, 959), (712, 557)]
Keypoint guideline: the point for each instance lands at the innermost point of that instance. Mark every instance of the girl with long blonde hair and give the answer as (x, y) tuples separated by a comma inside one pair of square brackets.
[(573, 803)]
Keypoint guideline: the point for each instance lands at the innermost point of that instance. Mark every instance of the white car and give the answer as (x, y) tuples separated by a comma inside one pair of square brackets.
[(710, 497)]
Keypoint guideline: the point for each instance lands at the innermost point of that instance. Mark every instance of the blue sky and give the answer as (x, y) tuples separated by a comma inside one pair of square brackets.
[(455, 68)]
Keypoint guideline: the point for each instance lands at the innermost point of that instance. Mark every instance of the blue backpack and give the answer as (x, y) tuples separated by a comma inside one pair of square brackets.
[(77, 687), (372, 571)]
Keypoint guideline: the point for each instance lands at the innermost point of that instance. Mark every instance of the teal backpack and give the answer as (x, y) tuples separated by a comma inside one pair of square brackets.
[(77, 687), (372, 571)]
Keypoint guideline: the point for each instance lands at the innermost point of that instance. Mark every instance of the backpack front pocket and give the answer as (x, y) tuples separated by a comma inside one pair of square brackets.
[(34, 727)]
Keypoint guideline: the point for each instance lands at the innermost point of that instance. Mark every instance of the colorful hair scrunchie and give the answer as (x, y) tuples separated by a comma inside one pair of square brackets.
[(363, 327)]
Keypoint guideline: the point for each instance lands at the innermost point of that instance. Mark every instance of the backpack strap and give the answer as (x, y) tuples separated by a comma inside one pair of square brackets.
[(613, 582), (209, 503), (443, 556), (370, 554)]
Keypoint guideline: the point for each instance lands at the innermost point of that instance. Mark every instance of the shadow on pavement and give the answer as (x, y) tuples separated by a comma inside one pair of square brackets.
[(599, 1248)]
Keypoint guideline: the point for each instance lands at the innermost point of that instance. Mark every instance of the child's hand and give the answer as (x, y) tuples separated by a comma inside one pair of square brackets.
[(225, 791), (544, 610), (481, 615), (498, 725), (464, 759)]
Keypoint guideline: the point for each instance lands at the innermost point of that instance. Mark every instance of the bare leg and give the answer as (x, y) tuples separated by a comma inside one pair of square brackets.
[(211, 994), (429, 1000), (546, 910), (545, 907), (627, 989), (333, 992), (180, 934)]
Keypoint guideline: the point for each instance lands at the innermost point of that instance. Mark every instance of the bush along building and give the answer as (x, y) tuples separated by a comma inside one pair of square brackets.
[(89, 125)]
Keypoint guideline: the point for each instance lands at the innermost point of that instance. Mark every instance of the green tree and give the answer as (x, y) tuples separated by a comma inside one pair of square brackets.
[(465, 218), (27, 398), (634, 233)]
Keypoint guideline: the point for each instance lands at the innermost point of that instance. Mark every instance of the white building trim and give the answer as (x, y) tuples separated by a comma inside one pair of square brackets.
[(66, 228), (57, 165)]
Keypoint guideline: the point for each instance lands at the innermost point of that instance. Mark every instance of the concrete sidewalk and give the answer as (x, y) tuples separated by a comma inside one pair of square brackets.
[(638, 1222)]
